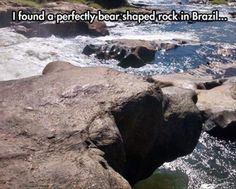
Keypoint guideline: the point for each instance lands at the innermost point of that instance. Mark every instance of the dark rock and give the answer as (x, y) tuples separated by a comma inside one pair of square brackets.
[(146, 54), (221, 125), (132, 60), (128, 54), (66, 29), (5, 17), (232, 14), (111, 3), (179, 131), (90, 49)]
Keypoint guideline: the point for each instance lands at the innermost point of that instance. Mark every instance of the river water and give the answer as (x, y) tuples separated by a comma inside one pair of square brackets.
[(212, 165)]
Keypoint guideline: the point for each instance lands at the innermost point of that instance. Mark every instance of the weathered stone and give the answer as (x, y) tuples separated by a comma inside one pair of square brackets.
[(57, 66), (85, 127), (219, 109)]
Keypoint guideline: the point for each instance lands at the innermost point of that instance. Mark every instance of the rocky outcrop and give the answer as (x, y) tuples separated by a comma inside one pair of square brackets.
[(219, 109), (129, 53), (85, 127), (6, 8), (216, 97), (65, 29), (39, 29)]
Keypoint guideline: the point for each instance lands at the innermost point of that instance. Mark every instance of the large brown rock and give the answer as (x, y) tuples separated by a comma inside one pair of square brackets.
[(85, 127)]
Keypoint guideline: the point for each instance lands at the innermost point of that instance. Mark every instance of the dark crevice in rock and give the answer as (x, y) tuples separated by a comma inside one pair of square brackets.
[(139, 130), (211, 84)]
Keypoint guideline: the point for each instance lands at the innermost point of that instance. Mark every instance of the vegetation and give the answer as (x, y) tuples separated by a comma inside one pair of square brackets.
[(30, 3), (218, 2)]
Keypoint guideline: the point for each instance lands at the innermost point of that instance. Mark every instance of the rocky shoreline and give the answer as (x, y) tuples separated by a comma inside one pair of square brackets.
[(95, 127)]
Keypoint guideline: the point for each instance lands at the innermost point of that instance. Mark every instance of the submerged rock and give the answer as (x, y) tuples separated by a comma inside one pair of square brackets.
[(85, 127)]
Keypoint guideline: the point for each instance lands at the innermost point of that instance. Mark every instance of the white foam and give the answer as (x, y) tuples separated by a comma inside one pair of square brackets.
[(164, 36)]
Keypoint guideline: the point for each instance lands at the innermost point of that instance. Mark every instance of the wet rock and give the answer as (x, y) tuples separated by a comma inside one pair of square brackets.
[(85, 127), (134, 57), (65, 29), (232, 14), (6, 13), (133, 61), (5, 18), (129, 53)]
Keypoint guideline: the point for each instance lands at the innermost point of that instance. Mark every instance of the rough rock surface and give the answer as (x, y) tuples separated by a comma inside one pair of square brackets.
[(217, 97), (39, 29), (85, 127), (129, 53), (219, 108)]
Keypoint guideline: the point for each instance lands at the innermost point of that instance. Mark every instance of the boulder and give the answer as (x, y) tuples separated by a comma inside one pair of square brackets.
[(218, 106), (182, 115), (134, 57), (89, 128), (129, 53), (57, 66)]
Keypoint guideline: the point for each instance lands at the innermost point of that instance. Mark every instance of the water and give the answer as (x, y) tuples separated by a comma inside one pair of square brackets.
[(212, 164)]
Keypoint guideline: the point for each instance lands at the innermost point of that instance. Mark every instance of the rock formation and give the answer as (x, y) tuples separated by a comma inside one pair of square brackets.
[(129, 53), (216, 97), (90, 128)]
